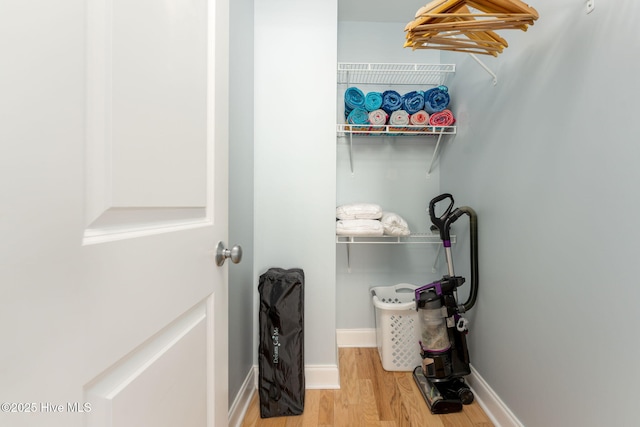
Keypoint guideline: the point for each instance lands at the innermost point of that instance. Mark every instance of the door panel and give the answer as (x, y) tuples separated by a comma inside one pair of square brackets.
[(114, 163), (163, 382), (158, 54), (146, 113)]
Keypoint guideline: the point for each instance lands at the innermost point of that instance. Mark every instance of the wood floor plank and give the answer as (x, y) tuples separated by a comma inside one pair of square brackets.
[(412, 400), (457, 419), (363, 363), (368, 403), (252, 415), (273, 422), (354, 417), (349, 376), (296, 421), (340, 408), (326, 407), (369, 397), (477, 416), (310, 416), (387, 394)]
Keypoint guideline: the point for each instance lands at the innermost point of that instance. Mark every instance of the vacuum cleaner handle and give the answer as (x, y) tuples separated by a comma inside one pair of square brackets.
[(441, 222), (473, 247)]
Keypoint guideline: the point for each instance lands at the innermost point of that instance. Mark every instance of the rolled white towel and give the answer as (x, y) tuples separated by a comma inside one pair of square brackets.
[(394, 224), (378, 117), (359, 211), (399, 118), (359, 227)]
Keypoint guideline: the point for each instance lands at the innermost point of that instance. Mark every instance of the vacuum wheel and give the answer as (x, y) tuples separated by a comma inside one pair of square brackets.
[(466, 396)]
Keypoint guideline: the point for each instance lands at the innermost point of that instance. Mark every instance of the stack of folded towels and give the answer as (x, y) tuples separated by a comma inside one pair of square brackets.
[(422, 108), (368, 219)]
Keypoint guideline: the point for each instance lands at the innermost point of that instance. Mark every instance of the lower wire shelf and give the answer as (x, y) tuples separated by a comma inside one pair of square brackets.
[(415, 238), (422, 238)]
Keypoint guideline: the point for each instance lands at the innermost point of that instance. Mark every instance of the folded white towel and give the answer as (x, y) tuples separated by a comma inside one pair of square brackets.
[(359, 211), (394, 224), (359, 227)]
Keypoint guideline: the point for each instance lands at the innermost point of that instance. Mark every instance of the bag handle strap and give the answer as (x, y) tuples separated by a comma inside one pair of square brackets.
[(275, 392)]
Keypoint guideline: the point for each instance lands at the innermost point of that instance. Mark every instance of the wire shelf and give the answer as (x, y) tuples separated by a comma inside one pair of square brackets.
[(388, 130), (394, 74), (422, 238)]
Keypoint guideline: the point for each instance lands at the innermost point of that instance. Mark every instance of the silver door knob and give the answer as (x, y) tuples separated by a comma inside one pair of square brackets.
[(222, 253)]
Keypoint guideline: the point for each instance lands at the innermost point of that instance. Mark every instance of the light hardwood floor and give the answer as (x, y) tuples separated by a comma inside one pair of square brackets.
[(369, 397)]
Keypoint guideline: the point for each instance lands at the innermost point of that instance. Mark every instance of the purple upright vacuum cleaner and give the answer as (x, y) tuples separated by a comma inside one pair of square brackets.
[(443, 344)]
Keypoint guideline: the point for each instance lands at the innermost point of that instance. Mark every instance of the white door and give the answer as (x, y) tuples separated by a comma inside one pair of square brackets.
[(113, 196)]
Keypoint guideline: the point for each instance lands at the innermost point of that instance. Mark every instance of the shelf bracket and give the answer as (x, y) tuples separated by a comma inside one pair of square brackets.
[(435, 261), (351, 151), (495, 78), (348, 257), (435, 153), (350, 145)]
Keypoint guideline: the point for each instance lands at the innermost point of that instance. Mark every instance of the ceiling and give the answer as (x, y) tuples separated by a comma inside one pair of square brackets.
[(379, 10)]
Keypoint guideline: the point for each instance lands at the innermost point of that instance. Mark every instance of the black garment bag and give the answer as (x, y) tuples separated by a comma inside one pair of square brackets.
[(281, 382)]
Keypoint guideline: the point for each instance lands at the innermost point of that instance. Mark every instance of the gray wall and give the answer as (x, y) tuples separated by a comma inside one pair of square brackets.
[(295, 157), (549, 159), (241, 193)]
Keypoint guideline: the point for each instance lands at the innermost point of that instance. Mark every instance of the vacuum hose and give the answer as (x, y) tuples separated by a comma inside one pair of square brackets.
[(473, 231)]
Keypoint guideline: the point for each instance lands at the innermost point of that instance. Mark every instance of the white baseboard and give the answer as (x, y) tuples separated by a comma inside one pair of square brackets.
[(243, 398), (356, 337), (322, 377), (319, 377), (493, 406)]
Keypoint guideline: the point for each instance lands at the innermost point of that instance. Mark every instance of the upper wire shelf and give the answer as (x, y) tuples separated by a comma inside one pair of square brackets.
[(394, 74)]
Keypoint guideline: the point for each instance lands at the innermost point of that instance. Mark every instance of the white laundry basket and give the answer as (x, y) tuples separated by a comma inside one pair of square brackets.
[(397, 326)]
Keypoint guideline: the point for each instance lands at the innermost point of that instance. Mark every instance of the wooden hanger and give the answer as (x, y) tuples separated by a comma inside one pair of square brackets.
[(444, 24)]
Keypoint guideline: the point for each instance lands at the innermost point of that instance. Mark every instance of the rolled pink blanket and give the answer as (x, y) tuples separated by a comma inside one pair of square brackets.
[(442, 118), (419, 118)]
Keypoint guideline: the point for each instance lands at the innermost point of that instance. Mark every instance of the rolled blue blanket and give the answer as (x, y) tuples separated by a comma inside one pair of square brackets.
[(353, 98), (391, 101), (373, 101), (413, 102), (436, 99), (358, 116)]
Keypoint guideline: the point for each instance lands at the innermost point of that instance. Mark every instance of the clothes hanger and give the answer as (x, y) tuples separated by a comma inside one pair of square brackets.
[(507, 6), (439, 11), (444, 24), (435, 7), (480, 40)]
